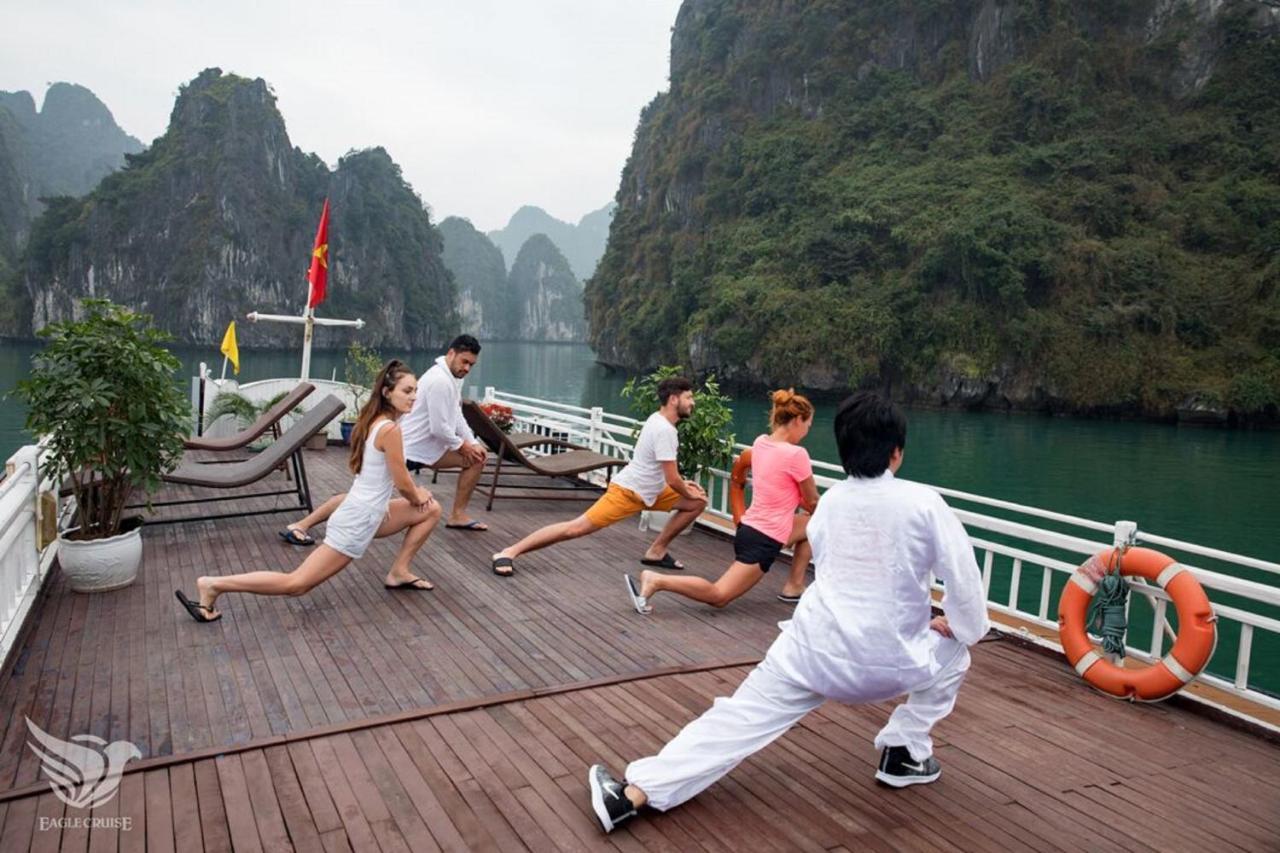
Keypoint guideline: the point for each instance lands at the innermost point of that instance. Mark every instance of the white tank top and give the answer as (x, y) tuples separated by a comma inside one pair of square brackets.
[(372, 486)]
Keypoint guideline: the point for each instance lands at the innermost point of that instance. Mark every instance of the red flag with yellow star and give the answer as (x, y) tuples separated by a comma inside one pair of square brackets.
[(319, 272)]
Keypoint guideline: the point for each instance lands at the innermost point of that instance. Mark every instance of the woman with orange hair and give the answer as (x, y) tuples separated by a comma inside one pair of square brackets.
[(782, 480)]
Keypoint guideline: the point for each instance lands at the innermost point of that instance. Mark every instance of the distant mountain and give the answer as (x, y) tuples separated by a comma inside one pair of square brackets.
[(487, 306), (217, 219), (63, 149), (1065, 207), (581, 244), (549, 296)]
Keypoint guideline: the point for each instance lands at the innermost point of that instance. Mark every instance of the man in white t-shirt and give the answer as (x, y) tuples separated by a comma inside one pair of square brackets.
[(435, 436), (651, 480)]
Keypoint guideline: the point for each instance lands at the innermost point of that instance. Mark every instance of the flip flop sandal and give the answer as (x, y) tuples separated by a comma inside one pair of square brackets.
[(637, 600), (504, 563), (412, 583), (196, 609), (789, 599), (667, 562), (477, 526), (295, 537)]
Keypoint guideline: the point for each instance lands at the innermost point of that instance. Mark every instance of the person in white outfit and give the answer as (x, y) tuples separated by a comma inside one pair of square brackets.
[(368, 510), (435, 435), (863, 631)]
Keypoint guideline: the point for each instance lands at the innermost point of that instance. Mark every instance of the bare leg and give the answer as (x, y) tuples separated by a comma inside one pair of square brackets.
[(549, 535), (318, 515), (735, 581), (801, 554), (400, 515), (320, 565), (687, 511), (467, 479)]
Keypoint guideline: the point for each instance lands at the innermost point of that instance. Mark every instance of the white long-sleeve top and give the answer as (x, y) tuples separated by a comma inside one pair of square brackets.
[(435, 424), (876, 541)]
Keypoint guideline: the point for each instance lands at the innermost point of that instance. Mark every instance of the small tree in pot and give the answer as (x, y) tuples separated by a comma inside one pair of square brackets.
[(361, 369), (103, 395)]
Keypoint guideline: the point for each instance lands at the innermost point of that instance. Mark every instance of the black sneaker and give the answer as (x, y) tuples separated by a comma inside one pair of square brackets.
[(607, 798), (899, 769)]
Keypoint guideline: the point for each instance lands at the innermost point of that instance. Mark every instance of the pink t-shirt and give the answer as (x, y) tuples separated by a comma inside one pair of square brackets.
[(777, 470)]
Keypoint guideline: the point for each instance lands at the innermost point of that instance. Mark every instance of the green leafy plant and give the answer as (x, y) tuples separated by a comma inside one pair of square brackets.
[(704, 438), (237, 405), (103, 395), (360, 371)]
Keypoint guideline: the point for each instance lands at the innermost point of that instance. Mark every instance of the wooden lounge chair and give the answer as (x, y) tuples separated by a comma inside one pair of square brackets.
[(565, 466), (234, 475), (268, 420)]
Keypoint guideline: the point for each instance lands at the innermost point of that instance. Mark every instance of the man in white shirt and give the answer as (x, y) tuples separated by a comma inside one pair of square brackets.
[(435, 435), (863, 631), (650, 480)]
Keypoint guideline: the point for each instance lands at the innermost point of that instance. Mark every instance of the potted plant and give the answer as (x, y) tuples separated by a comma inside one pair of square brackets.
[(360, 371), (236, 405), (103, 395), (705, 441)]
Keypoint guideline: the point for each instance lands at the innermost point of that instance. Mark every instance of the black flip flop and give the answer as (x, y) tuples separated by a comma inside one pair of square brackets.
[(196, 609), (504, 563), (789, 599), (667, 562), (293, 537), (473, 525), (411, 584)]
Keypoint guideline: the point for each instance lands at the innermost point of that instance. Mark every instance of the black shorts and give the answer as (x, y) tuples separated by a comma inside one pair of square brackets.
[(752, 546)]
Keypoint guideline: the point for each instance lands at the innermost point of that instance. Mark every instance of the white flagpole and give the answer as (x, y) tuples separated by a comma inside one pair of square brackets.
[(224, 369), (308, 323)]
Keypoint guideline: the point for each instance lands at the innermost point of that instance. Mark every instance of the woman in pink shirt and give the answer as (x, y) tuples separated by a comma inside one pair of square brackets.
[(781, 482)]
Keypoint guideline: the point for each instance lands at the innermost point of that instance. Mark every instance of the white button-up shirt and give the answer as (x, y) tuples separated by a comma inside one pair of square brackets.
[(435, 424)]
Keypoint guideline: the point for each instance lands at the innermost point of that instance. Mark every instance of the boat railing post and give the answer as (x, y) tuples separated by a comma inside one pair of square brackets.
[(597, 427), (489, 394), (1125, 534)]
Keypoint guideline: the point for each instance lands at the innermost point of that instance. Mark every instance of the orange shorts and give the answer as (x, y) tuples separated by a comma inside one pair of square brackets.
[(617, 503)]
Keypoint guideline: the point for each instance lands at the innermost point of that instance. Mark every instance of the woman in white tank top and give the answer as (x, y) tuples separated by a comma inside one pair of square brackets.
[(367, 512)]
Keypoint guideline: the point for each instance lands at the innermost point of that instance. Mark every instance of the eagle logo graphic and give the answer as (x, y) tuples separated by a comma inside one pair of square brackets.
[(84, 771)]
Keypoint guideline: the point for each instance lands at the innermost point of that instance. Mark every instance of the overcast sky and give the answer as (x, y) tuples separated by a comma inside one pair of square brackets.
[(485, 104)]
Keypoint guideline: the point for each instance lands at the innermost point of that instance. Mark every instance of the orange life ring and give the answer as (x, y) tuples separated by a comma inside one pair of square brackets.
[(1197, 631), (738, 486)]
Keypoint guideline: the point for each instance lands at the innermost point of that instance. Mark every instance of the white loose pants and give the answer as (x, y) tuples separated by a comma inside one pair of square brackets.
[(774, 696)]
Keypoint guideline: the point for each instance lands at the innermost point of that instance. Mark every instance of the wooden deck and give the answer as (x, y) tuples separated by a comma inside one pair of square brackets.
[(357, 718)]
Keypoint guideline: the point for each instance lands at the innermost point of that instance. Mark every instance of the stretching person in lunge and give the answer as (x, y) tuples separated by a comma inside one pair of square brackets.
[(781, 481), (650, 480), (435, 435), (366, 512), (862, 633)]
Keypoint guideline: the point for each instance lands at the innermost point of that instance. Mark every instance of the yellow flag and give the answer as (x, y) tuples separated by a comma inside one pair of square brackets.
[(229, 348)]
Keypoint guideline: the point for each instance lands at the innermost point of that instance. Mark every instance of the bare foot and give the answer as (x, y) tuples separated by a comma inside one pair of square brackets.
[(792, 592), (207, 597), (649, 584)]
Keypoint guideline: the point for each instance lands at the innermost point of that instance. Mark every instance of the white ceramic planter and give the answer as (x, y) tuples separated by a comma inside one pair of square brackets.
[(99, 565)]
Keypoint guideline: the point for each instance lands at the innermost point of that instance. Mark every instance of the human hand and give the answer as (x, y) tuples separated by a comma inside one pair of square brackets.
[(695, 490), (473, 452), (424, 498), (939, 624)]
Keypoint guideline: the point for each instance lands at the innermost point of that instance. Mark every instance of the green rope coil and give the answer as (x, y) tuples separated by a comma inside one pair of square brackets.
[(1107, 611)]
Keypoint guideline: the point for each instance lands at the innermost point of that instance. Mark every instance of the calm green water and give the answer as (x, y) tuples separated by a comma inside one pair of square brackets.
[(1214, 487)]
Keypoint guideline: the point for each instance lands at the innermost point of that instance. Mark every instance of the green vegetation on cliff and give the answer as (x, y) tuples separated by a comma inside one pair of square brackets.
[(1042, 204)]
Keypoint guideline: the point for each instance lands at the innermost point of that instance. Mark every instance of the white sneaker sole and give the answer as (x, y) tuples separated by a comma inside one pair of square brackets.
[(637, 600), (597, 799), (903, 781)]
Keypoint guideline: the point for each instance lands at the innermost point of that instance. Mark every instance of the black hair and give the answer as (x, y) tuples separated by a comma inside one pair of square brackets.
[(672, 386), (868, 429), (465, 343)]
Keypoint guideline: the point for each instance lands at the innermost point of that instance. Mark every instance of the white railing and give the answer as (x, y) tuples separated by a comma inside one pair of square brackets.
[(23, 562), (259, 392), (1026, 553)]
